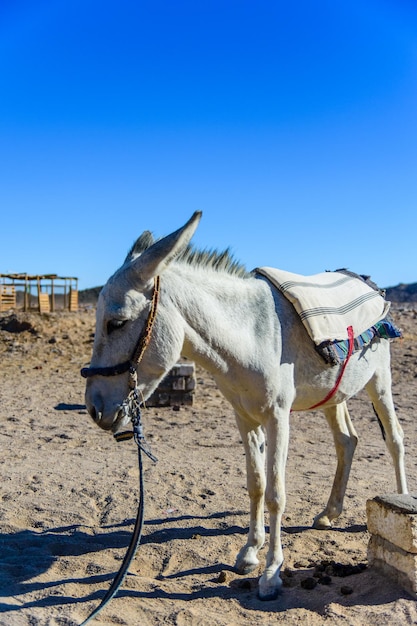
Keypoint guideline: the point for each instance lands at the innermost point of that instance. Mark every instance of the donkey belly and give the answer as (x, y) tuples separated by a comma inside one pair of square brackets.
[(332, 382)]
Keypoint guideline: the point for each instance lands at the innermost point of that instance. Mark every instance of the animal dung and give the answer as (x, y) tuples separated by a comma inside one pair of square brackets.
[(308, 583)]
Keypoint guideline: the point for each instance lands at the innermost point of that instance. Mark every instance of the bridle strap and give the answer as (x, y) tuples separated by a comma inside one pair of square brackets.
[(112, 370), (140, 347)]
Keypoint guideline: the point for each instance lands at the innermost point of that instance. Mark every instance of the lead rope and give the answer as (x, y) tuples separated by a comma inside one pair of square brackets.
[(137, 531), (131, 551), (131, 407)]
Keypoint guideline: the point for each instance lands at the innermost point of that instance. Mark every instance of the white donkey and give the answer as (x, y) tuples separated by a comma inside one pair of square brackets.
[(249, 337)]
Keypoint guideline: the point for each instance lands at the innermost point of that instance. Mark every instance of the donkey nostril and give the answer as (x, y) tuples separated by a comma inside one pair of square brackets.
[(94, 414)]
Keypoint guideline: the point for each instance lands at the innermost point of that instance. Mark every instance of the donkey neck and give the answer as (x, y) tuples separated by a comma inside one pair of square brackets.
[(224, 315)]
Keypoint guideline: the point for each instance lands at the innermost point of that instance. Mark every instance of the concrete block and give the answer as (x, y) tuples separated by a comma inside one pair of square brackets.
[(178, 383), (183, 369), (394, 517), (176, 388), (399, 565)]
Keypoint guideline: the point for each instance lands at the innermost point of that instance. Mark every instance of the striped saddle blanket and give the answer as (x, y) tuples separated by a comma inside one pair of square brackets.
[(329, 303)]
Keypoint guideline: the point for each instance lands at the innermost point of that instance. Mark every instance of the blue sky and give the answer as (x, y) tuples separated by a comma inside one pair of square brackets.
[(292, 126)]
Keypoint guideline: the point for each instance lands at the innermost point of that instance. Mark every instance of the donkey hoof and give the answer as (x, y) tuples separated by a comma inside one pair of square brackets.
[(273, 595), (244, 570), (246, 561), (269, 588), (322, 522)]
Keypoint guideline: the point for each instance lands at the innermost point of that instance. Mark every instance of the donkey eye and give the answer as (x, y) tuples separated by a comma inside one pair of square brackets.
[(115, 325)]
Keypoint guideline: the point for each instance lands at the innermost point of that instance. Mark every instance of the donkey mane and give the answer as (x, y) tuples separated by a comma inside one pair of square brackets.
[(209, 258)]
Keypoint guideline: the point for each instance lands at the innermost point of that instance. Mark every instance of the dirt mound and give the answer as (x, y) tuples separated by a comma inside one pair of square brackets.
[(12, 324)]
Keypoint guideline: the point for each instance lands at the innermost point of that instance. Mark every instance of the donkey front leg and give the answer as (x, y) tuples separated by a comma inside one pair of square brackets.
[(254, 443), (277, 433), (345, 440)]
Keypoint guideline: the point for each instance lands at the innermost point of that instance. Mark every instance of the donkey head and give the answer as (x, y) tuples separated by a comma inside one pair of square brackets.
[(122, 311)]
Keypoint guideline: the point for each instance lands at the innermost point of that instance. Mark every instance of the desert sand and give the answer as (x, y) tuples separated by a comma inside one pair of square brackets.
[(69, 495)]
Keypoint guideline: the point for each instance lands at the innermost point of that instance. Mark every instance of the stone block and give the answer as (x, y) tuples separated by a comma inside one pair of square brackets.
[(176, 388), (178, 383), (398, 564), (394, 517), (183, 369)]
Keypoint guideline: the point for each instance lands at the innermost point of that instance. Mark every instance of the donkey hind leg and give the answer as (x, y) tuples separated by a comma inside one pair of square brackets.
[(345, 440), (254, 443), (379, 390), (277, 433)]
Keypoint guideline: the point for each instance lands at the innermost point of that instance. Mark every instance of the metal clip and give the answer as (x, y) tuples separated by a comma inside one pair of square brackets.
[(140, 437)]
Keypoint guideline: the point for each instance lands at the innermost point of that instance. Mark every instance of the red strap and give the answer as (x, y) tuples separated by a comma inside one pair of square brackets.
[(342, 371)]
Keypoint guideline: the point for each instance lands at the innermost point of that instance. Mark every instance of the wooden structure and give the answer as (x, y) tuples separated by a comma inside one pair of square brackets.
[(44, 293), (7, 297)]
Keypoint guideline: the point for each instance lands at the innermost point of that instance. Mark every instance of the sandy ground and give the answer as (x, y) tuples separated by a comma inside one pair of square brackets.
[(69, 494)]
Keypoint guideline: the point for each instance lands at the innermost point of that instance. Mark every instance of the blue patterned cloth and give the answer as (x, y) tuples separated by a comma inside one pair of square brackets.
[(335, 352)]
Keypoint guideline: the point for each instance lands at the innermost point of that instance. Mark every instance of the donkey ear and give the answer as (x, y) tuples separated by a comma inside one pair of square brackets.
[(156, 258), (142, 243)]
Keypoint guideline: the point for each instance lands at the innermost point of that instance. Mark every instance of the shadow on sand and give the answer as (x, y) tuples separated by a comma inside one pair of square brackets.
[(28, 554)]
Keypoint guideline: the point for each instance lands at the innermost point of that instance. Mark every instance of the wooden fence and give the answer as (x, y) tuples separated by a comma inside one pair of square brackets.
[(7, 297), (44, 293)]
